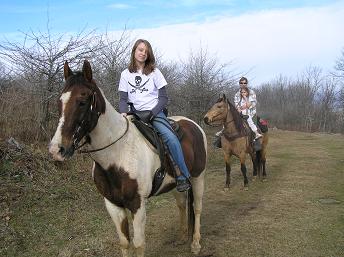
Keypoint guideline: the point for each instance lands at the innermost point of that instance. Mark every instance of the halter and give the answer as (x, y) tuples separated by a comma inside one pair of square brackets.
[(76, 135), (226, 122)]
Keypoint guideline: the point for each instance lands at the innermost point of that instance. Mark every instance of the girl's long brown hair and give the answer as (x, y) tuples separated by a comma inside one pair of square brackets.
[(150, 62)]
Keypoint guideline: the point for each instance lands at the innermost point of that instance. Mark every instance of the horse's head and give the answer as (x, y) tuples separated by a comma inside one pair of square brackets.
[(80, 105), (218, 112)]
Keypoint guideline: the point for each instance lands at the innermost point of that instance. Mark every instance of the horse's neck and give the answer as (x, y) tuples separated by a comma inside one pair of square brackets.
[(129, 146), (111, 126), (230, 123)]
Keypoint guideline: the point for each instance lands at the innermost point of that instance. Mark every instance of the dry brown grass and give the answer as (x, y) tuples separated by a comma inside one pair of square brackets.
[(298, 212)]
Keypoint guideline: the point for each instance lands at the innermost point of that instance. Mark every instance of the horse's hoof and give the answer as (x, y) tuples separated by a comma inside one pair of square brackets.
[(195, 248), (254, 178), (245, 188), (226, 189), (264, 179)]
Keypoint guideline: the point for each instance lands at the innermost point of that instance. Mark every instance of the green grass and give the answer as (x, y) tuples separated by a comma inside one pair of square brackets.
[(54, 209)]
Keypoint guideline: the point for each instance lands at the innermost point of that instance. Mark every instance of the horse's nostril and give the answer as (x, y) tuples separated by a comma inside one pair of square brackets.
[(62, 150), (206, 120)]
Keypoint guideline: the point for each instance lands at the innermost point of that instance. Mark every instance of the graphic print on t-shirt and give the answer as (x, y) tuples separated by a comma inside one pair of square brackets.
[(138, 85)]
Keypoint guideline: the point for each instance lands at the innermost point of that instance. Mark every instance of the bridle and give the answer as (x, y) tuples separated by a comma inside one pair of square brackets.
[(87, 121), (226, 122), (114, 142)]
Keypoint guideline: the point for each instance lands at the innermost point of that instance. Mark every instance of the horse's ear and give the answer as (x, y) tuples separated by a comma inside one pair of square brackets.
[(87, 71), (224, 97), (66, 70)]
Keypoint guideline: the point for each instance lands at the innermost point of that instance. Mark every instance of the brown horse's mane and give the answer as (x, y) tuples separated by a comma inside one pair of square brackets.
[(78, 78), (238, 120)]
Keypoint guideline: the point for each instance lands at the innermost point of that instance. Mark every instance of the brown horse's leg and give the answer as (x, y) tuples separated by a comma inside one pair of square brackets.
[(263, 166), (228, 170), (244, 170), (254, 164)]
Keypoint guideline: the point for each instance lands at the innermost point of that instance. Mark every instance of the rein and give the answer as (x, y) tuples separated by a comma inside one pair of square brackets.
[(231, 136), (102, 148)]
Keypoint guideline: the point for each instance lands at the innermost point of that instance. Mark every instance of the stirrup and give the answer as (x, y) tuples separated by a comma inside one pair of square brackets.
[(182, 185)]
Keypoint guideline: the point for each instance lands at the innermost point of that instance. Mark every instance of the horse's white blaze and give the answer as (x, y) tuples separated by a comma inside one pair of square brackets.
[(55, 143)]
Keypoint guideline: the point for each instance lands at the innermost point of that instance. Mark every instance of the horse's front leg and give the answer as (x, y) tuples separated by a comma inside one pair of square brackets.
[(228, 170), (254, 164), (139, 223), (119, 217), (244, 170)]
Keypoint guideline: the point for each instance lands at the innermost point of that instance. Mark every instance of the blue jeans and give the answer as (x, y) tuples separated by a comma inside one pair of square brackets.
[(162, 125)]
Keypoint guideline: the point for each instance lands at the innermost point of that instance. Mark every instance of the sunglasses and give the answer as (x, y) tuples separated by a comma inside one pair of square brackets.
[(243, 83)]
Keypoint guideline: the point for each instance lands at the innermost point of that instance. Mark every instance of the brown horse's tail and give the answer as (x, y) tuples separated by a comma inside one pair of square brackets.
[(191, 213)]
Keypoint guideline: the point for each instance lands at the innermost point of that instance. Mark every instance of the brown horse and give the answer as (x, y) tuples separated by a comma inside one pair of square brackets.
[(124, 161), (237, 139)]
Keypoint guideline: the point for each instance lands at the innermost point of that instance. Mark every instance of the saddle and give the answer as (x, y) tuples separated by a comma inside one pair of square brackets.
[(153, 136)]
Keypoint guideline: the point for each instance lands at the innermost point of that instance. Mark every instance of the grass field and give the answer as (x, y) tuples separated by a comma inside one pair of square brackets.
[(53, 209)]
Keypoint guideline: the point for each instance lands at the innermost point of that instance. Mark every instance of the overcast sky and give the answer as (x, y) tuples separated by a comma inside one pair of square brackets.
[(264, 38)]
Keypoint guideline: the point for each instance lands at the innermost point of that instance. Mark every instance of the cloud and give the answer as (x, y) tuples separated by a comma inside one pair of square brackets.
[(266, 43)]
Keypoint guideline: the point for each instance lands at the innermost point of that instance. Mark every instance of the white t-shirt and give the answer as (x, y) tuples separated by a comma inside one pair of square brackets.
[(143, 90)]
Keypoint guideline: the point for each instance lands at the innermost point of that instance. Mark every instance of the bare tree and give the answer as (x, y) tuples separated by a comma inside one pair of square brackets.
[(203, 79), (39, 60), (339, 66), (326, 107), (111, 60)]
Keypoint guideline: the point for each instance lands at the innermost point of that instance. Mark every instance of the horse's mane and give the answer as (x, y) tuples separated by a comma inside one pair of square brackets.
[(78, 78), (238, 121)]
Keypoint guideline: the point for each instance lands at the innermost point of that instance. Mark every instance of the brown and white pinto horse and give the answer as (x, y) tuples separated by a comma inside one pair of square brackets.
[(236, 139), (124, 161)]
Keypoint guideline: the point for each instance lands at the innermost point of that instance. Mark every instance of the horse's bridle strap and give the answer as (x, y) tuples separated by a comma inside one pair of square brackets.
[(102, 148)]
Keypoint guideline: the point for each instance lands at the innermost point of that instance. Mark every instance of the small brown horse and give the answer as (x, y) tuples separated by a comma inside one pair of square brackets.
[(124, 161), (237, 139)]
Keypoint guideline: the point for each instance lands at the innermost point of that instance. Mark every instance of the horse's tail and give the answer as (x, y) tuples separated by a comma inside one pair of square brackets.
[(191, 213)]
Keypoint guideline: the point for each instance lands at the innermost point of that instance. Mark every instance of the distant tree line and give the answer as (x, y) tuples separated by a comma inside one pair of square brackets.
[(31, 79)]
